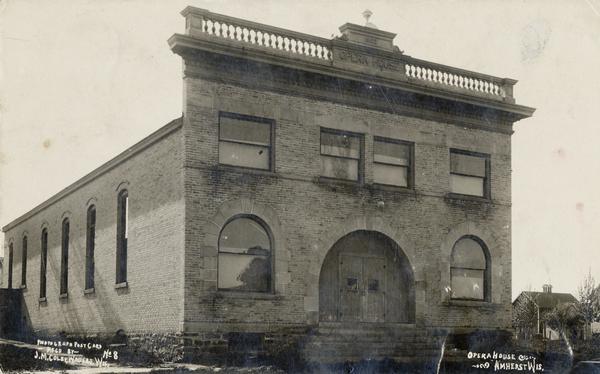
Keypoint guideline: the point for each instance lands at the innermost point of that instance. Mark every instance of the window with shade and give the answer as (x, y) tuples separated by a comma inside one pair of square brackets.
[(43, 262), (340, 155), (64, 259), (24, 263), (244, 262), (89, 247), (122, 235), (10, 264), (469, 173), (245, 141), (392, 162), (469, 270)]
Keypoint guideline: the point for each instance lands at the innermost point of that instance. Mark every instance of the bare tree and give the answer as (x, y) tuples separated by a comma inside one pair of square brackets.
[(566, 319), (589, 302), (525, 316)]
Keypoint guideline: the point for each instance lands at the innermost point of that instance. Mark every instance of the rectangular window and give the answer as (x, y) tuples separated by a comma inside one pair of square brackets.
[(122, 228), (352, 284), (43, 263), (10, 265), (245, 141), (467, 283), (64, 255), (340, 155), (244, 272), (24, 263), (89, 248), (373, 285), (469, 173), (392, 162)]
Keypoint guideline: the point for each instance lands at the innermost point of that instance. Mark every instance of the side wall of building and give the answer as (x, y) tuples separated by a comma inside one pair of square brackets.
[(153, 297), (307, 215)]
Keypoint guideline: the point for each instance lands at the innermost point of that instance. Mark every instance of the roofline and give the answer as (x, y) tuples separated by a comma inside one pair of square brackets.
[(102, 169), (181, 44), (549, 293), (542, 292)]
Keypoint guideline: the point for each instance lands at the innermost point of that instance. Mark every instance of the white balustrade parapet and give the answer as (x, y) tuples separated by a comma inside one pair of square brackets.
[(243, 31), (455, 78), (205, 24)]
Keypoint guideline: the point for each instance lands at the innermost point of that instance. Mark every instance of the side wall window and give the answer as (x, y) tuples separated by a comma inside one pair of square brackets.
[(469, 270), (10, 264), (24, 263), (246, 141), (469, 173), (43, 262), (122, 228), (90, 243), (392, 162), (64, 258), (245, 256), (340, 155)]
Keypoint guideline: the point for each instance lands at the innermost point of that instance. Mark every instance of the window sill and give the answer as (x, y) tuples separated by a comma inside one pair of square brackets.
[(467, 303), (43, 300), (392, 188), (63, 296), (335, 181), (245, 170), (121, 285), (89, 291), (461, 197), (247, 295)]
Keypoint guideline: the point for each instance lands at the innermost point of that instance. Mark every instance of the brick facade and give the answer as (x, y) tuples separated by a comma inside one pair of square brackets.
[(311, 215), (153, 177), (181, 197)]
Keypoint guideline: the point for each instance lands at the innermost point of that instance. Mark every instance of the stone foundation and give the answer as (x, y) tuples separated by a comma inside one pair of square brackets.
[(282, 348)]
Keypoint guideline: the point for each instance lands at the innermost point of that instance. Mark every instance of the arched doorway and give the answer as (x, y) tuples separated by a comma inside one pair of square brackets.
[(366, 277)]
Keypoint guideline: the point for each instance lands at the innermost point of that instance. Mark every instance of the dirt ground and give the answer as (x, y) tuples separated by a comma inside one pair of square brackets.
[(19, 357)]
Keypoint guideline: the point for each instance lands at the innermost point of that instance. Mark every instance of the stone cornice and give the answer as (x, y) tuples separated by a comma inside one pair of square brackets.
[(353, 63), (254, 75)]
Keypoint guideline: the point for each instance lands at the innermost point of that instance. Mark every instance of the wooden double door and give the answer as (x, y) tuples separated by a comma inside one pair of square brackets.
[(365, 277), (362, 288)]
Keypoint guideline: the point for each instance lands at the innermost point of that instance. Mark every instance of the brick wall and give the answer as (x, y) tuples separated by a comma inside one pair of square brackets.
[(305, 215), (153, 299), (312, 214)]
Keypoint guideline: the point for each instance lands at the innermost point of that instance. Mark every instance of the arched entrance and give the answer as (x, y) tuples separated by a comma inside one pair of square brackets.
[(366, 277)]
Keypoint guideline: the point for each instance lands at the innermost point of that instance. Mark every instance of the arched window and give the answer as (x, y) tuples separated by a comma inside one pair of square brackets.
[(24, 263), (64, 256), (43, 263), (90, 243), (122, 228), (245, 256), (470, 270)]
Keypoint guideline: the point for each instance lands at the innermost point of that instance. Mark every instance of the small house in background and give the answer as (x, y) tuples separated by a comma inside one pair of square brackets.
[(544, 302)]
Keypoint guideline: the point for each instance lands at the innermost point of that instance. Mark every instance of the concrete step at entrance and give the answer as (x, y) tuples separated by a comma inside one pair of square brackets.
[(335, 343), (332, 356), (375, 339), (381, 352), (360, 346)]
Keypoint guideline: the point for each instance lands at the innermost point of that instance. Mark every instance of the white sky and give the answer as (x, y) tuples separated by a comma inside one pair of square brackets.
[(83, 80)]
